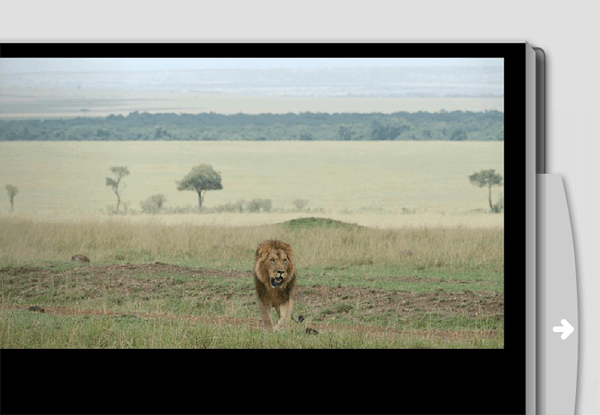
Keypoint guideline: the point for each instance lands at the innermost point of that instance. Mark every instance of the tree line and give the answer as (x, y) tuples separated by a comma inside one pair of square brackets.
[(420, 126)]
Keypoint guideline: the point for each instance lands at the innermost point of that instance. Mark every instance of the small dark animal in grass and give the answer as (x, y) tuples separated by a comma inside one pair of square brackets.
[(275, 281), (36, 308), (79, 258)]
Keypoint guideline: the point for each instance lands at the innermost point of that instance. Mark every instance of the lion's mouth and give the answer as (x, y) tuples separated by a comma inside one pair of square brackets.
[(276, 282)]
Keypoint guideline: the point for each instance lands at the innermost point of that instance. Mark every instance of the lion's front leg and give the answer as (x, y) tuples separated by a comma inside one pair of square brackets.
[(277, 310), (265, 311), (285, 313)]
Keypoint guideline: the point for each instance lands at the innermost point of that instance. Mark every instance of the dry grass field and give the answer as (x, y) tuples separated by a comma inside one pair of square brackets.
[(462, 249), (402, 179)]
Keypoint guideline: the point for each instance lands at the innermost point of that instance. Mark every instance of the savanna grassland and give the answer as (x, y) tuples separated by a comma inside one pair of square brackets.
[(190, 286), (394, 248)]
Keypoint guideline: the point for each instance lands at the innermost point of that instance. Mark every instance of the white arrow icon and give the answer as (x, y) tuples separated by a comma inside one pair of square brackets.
[(566, 329)]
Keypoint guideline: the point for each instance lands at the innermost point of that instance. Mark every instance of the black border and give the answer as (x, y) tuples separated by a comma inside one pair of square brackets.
[(341, 381)]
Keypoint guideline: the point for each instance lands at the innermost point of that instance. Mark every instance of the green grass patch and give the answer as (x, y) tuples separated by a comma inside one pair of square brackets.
[(388, 277), (24, 329)]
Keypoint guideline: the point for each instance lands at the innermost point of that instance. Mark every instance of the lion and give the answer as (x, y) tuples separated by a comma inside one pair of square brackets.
[(275, 281)]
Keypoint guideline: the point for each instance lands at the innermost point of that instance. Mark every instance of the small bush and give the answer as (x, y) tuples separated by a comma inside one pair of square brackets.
[(499, 207), (257, 205), (153, 204), (300, 204)]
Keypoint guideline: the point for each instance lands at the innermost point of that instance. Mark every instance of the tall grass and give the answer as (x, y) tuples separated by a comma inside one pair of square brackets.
[(24, 240)]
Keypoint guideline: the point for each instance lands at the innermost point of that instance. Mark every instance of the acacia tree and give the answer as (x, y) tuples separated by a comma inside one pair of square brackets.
[(202, 177), (12, 192), (487, 178), (119, 172)]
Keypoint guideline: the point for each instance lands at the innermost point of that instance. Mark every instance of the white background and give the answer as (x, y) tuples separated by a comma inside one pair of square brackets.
[(567, 30)]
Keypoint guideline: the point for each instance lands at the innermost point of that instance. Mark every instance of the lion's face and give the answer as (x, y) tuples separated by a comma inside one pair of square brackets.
[(275, 264)]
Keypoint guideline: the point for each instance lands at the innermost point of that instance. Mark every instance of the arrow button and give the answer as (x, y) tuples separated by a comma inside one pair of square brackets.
[(566, 329)]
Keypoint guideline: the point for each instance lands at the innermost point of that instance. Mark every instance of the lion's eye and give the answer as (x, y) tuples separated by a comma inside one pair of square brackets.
[(285, 261), (272, 261)]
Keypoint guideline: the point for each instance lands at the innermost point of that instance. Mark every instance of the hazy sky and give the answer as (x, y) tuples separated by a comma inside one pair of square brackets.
[(29, 65)]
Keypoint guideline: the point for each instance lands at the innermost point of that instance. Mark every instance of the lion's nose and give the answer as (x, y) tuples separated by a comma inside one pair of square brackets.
[(281, 273)]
